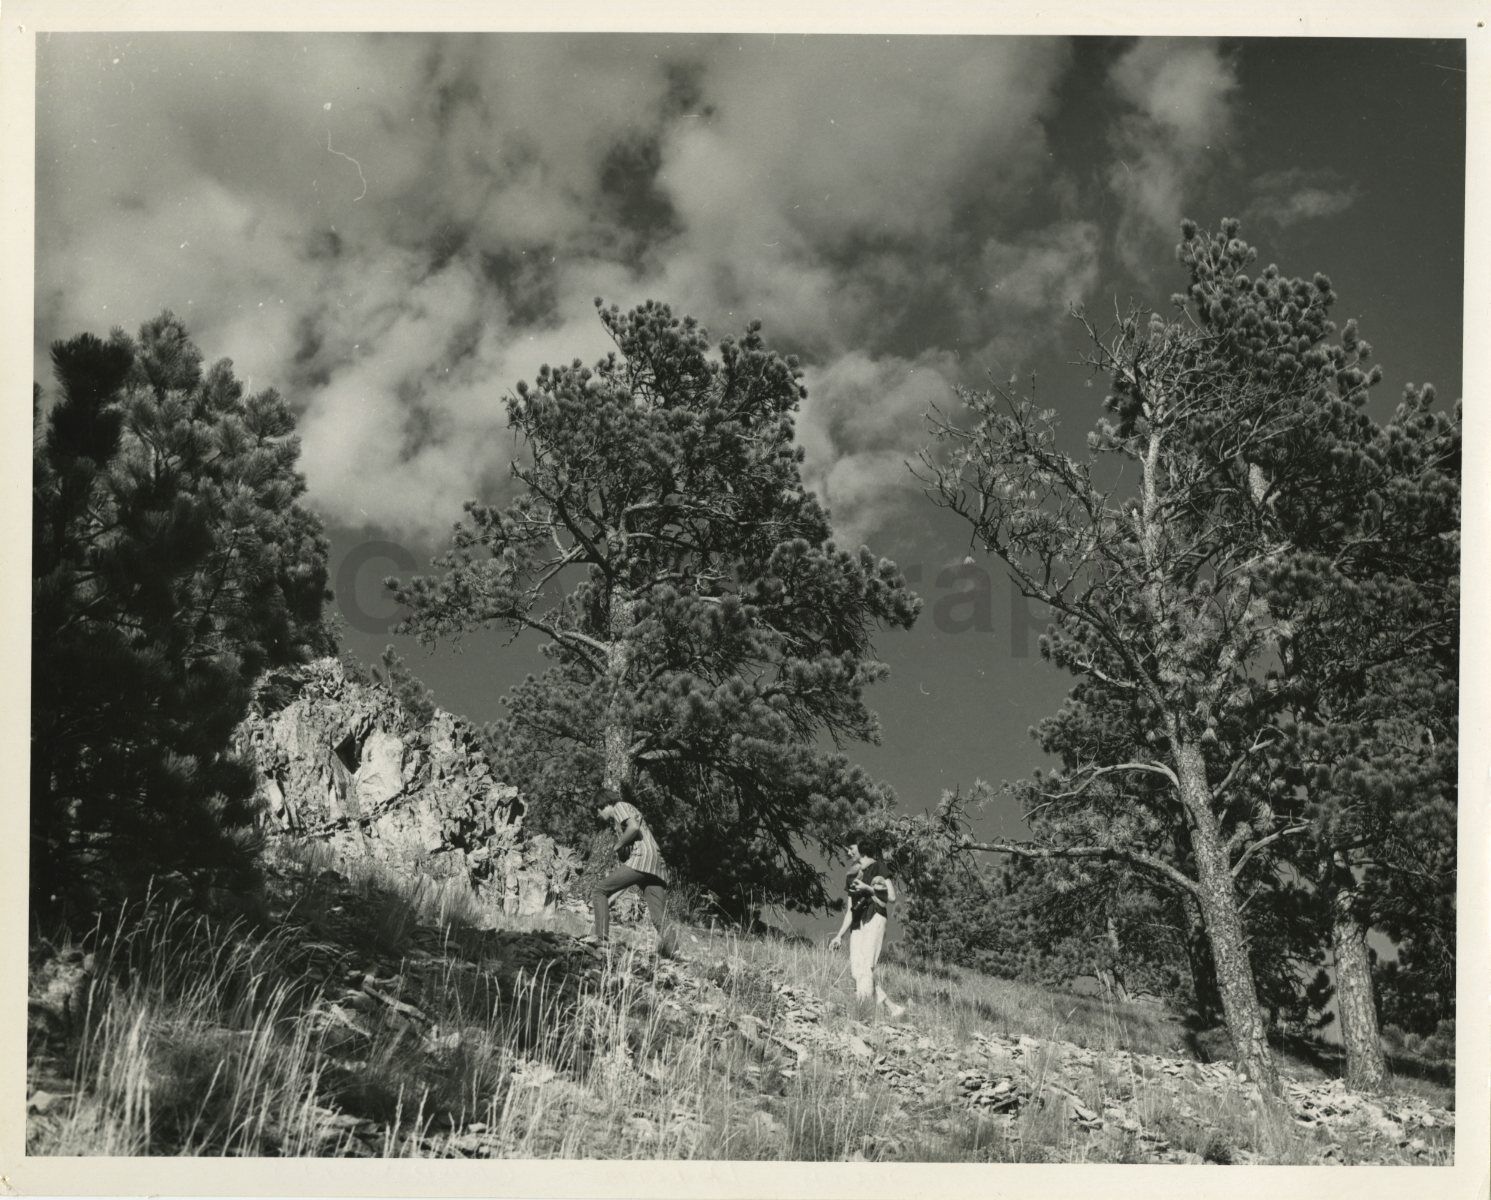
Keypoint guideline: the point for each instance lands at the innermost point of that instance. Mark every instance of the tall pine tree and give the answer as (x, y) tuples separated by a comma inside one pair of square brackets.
[(707, 635), (172, 563), (1361, 524), (1196, 606)]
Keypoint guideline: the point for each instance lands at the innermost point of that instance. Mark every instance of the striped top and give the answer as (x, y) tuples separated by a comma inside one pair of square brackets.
[(643, 854)]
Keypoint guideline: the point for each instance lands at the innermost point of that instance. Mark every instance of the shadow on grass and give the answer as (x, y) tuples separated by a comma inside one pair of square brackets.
[(1212, 1044), (1430, 1071), (432, 1009)]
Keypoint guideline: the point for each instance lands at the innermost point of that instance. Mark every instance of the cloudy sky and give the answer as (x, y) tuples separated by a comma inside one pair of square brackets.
[(393, 230)]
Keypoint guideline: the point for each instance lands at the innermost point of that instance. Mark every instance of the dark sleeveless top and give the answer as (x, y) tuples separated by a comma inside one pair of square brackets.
[(864, 905)]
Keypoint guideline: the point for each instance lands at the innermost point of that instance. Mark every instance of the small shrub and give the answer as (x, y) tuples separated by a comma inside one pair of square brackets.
[(1217, 1150)]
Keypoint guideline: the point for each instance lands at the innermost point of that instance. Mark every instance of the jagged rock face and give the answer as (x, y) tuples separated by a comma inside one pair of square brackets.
[(345, 764)]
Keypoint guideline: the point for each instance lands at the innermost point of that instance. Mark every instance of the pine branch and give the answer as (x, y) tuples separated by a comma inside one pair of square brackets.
[(1096, 773), (1156, 866), (1270, 839)]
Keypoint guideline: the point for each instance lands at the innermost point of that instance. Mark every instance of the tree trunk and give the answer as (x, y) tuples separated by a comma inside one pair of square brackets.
[(1218, 900), (1366, 1071), (1199, 958), (618, 732), (1111, 975)]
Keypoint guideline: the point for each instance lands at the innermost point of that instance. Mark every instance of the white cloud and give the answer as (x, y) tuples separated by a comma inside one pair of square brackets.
[(1177, 92), (820, 156), (881, 136), (863, 420), (1048, 269), (500, 183), (866, 492), (1289, 197)]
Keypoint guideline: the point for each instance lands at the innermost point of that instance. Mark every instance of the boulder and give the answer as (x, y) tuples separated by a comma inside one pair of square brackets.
[(343, 763), (380, 774)]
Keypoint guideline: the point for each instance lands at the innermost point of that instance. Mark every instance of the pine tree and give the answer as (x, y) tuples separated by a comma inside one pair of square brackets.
[(1051, 923), (1152, 598), (172, 563), (706, 633), (1365, 596), (1197, 608), (1151, 608)]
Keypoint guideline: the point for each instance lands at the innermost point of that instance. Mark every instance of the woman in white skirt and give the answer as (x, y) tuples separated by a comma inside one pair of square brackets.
[(866, 909)]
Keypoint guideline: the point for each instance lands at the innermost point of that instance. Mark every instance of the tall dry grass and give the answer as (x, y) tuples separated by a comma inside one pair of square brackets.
[(203, 1037), (207, 1037)]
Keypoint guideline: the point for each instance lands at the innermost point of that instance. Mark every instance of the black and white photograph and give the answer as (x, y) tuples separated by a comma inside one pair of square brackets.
[(831, 605)]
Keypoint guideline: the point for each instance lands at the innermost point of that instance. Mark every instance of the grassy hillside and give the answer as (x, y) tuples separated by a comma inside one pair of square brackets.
[(346, 1016)]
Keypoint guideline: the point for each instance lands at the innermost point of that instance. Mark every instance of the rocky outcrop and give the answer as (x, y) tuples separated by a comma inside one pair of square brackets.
[(342, 762)]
